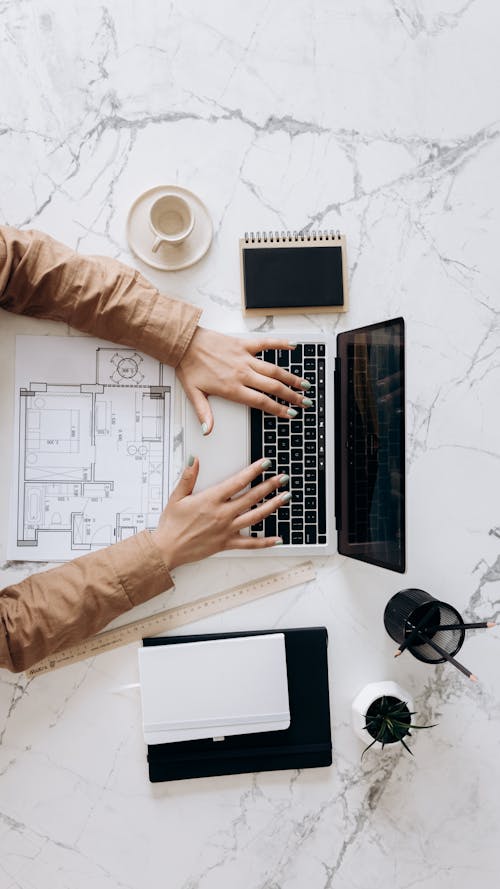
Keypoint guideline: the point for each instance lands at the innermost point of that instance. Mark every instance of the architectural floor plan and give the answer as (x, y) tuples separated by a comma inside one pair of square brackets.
[(92, 454)]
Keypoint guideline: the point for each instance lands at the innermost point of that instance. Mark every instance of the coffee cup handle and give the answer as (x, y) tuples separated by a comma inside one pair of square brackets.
[(158, 242)]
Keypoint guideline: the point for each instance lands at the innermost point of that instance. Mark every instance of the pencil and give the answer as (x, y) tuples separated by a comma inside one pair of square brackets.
[(485, 624), (449, 658), (415, 632)]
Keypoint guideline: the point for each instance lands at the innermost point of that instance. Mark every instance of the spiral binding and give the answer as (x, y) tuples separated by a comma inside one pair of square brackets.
[(290, 237)]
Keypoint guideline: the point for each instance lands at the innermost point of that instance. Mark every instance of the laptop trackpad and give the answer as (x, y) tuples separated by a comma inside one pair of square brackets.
[(223, 452)]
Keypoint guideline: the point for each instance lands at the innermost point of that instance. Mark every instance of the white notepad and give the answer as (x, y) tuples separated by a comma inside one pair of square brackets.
[(215, 688)]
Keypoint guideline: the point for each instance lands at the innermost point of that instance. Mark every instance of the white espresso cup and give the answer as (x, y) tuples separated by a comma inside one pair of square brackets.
[(171, 219)]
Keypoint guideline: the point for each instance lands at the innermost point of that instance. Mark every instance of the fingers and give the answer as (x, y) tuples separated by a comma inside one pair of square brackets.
[(256, 494), (279, 373), (261, 512), (265, 403), (258, 345), (278, 390), (187, 481), (240, 480), (239, 542), (202, 408)]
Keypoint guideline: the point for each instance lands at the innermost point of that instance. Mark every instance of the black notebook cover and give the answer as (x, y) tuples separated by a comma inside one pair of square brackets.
[(307, 743)]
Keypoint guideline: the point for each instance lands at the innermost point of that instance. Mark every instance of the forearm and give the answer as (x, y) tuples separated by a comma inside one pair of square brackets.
[(53, 609), (97, 295)]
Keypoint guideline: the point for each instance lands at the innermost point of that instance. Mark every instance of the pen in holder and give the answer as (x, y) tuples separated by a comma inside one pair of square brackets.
[(416, 621)]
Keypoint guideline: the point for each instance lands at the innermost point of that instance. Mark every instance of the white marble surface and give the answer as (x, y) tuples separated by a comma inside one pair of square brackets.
[(380, 118)]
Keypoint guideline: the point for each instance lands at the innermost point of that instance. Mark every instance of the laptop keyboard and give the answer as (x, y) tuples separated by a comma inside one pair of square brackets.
[(298, 448)]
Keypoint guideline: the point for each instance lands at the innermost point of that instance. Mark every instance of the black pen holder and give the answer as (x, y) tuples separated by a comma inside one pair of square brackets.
[(411, 608)]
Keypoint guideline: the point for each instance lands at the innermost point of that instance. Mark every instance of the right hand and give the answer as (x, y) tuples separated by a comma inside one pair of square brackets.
[(193, 526)]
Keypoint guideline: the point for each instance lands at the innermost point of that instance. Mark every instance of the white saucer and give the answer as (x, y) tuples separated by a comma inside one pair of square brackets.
[(168, 258)]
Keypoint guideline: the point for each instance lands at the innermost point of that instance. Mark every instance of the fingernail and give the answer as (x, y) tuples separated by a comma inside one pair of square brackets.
[(265, 464), (278, 542), (286, 497), (307, 402), (305, 384), (190, 460), (291, 412), (204, 428), (292, 346), (284, 479)]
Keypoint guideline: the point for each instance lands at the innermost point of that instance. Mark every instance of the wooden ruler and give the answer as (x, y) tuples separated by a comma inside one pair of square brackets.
[(176, 617)]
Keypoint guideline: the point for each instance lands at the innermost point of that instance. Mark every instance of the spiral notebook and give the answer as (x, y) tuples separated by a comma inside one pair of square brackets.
[(293, 273)]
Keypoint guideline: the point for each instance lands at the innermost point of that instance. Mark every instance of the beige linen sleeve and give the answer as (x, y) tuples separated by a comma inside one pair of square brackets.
[(94, 294), (42, 278), (53, 609)]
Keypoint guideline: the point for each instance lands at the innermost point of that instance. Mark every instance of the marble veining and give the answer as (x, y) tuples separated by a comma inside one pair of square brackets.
[(380, 119)]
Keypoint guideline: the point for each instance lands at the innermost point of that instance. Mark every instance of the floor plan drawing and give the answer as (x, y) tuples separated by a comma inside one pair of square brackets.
[(93, 445)]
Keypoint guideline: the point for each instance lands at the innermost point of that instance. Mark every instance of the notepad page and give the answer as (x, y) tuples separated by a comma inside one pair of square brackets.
[(214, 688)]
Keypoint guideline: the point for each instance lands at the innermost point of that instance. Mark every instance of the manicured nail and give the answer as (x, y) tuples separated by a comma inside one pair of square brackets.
[(284, 479), (286, 497), (278, 542), (190, 460), (292, 346), (305, 384), (204, 428), (291, 412), (307, 402), (266, 464)]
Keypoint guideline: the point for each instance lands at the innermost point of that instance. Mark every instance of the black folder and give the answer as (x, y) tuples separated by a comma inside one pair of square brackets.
[(306, 744)]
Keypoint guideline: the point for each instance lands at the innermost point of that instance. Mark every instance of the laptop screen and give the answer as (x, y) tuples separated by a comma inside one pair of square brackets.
[(370, 444)]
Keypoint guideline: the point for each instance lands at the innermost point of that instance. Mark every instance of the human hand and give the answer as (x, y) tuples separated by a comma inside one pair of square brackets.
[(193, 526), (216, 364)]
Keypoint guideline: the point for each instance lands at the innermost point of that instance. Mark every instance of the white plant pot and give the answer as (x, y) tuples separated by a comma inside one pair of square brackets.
[(365, 699)]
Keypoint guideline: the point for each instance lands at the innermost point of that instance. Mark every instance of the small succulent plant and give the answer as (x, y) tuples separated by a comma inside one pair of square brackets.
[(388, 720)]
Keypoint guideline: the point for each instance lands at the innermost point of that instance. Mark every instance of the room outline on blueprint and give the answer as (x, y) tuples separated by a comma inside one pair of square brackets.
[(93, 457)]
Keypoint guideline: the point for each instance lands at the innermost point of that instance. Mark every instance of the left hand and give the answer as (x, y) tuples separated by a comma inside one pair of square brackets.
[(216, 364)]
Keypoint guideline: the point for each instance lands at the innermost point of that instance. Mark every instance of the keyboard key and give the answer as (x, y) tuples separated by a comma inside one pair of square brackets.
[(310, 534), (269, 422), (310, 490), (309, 434), (296, 426), (310, 503), (296, 454), (296, 441), (284, 531), (296, 369), (297, 509), (283, 358), (322, 538), (309, 364), (283, 444), (270, 355), (310, 460), (270, 526), (296, 354), (309, 419), (321, 349), (270, 451), (310, 447), (258, 526), (269, 437), (297, 537), (310, 517), (310, 349), (283, 514), (297, 496), (297, 468), (297, 482), (297, 524), (310, 475)]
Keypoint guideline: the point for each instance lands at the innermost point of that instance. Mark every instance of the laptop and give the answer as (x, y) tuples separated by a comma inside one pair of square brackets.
[(345, 456)]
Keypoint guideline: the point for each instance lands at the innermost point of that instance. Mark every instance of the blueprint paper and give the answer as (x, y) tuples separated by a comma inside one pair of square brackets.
[(92, 446)]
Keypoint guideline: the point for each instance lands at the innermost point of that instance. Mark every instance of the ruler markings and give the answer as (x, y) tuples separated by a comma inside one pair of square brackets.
[(176, 617)]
